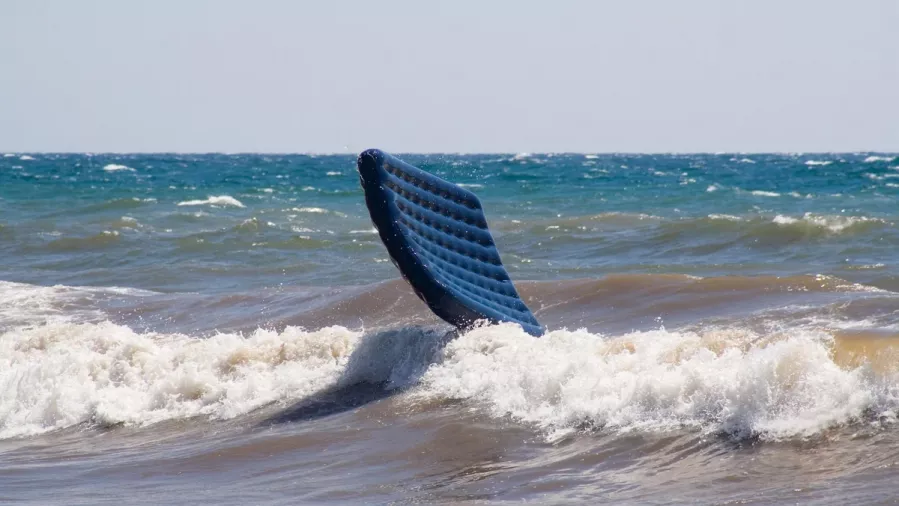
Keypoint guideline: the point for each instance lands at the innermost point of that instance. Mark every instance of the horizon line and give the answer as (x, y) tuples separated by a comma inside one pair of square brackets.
[(4, 153)]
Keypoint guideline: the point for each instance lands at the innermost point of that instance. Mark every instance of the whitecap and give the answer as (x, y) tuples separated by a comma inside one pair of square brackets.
[(221, 200), (113, 167), (873, 159), (763, 193), (316, 210), (835, 224), (814, 163), (726, 217), (26, 157)]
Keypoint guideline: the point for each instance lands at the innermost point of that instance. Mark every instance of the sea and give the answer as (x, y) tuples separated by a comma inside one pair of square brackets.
[(228, 329)]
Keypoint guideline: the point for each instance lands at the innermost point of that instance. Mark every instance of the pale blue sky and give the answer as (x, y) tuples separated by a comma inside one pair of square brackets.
[(449, 76)]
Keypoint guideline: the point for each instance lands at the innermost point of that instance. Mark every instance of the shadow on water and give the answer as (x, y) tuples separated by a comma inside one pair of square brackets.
[(384, 364)]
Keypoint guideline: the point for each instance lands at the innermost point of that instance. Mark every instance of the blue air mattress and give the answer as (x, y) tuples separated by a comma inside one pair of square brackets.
[(437, 236)]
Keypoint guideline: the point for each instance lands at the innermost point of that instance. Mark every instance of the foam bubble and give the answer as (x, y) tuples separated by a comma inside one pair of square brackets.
[(763, 193), (222, 200), (821, 163)]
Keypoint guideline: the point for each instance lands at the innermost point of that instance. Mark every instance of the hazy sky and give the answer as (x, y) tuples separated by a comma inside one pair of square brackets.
[(449, 76)]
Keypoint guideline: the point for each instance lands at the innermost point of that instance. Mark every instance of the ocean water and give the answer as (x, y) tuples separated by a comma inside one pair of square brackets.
[(227, 329)]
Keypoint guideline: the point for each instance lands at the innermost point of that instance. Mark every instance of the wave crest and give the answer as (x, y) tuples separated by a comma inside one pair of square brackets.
[(781, 385)]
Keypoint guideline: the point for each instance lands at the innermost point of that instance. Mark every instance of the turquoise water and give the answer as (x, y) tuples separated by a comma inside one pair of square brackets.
[(228, 329), (148, 219)]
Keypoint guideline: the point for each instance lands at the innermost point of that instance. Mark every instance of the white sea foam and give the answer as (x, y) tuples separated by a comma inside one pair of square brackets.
[(221, 200), (314, 210), (333, 173), (835, 224), (814, 163), (8, 155), (655, 380), (113, 167), (25, 304), (872, 159), (64, 374), (26, 157), (746, 160), (763, 193), (726, 217), (470, 185), (713, 188), (591, 157)]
